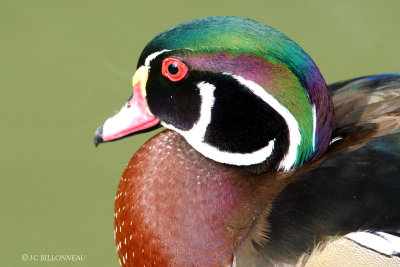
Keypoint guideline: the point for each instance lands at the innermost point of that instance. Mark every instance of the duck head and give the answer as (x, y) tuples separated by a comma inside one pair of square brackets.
[(239, 92)]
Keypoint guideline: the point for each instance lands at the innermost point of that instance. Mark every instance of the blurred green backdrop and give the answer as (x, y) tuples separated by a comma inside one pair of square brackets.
[(66, 66)]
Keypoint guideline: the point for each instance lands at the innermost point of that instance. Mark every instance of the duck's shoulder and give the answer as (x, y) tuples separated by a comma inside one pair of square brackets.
[(366, 108), (348, 191), (355, 185), (367, 118)]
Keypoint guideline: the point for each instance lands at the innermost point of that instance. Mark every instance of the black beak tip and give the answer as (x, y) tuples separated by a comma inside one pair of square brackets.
[(98, 136)]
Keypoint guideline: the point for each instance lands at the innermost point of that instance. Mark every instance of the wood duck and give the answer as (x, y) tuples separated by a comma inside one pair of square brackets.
[(260, 166)]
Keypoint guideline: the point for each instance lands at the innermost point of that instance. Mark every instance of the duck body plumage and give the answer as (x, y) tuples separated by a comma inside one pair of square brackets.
[(356, 185), (332, 166), (201, 207)]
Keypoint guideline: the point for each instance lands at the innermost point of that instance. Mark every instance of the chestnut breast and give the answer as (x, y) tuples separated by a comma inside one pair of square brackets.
[(175, 207)]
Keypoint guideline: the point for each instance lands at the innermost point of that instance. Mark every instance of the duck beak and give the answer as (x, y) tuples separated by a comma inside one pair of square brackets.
[(133, 117)]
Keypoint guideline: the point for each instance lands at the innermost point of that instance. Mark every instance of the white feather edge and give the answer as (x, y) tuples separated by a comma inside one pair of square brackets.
[(381, 242)]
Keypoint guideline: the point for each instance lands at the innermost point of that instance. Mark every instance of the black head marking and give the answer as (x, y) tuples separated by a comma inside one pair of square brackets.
[(175, 103), (242, 122)]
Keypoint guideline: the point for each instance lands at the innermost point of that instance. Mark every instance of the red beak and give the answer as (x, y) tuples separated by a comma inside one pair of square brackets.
[(133, 117)]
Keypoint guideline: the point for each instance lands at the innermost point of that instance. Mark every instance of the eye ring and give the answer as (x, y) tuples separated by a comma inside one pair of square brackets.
[(174, 69)]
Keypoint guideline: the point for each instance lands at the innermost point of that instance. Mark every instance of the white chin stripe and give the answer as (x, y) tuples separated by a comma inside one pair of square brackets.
[(381, 242), (195, 136), (289, 160)]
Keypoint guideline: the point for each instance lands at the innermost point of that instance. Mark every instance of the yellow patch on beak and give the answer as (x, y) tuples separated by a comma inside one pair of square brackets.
[(141, 76)]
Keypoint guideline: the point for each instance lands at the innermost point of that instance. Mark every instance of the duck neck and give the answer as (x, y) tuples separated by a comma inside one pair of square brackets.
[(184, 209)]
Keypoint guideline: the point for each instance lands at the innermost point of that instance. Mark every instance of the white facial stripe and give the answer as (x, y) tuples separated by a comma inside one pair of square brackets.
[(199, 128), (150, 57), (198, 131), (381, 242), (289, 160), (314, 116), (195, 136)]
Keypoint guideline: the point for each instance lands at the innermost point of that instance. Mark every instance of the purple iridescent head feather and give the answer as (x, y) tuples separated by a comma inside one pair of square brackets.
[(265, 56)]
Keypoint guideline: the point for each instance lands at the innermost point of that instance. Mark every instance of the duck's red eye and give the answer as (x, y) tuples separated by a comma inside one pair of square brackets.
[(174, 69)]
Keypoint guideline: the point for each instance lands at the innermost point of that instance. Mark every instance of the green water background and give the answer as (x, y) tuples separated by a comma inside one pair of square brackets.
[(66, 66)]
